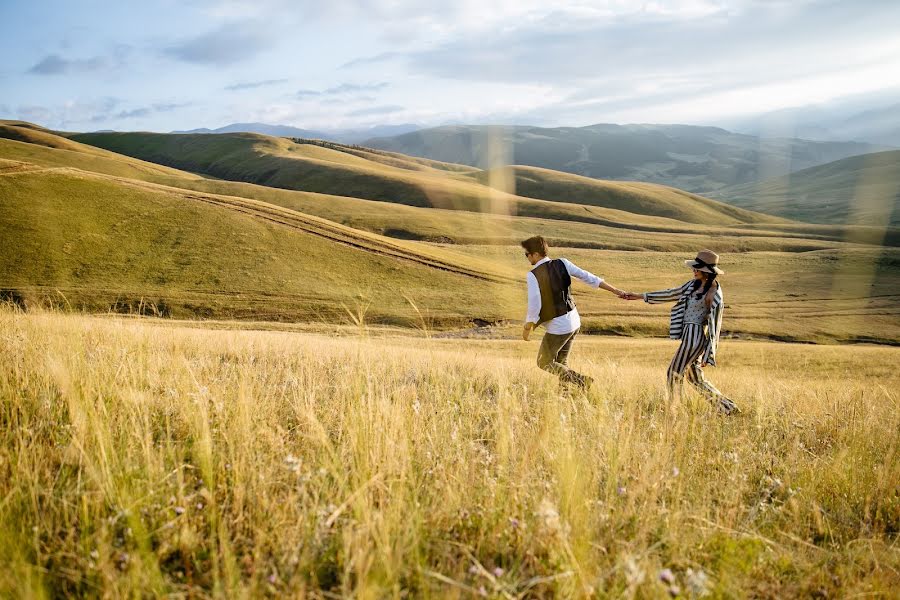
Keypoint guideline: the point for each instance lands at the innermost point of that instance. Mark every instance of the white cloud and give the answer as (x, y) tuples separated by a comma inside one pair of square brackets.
[(251, 85), (224, 45)]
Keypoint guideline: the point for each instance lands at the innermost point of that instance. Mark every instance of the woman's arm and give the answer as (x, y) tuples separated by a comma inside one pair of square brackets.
[(669, 295)]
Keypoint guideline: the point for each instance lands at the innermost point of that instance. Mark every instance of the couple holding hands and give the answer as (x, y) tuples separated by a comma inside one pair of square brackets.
[(696, 318)]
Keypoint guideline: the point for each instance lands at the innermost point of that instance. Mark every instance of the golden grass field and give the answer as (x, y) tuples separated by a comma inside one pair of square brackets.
[(146, 458)]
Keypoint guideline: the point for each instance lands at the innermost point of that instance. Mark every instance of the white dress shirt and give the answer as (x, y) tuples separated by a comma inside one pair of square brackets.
[(562, 324)]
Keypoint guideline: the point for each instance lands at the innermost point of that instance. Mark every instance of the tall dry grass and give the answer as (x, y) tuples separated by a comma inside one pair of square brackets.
[(142, 460)]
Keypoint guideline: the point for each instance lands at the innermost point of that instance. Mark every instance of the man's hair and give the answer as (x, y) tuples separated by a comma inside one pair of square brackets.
[(536, 244)]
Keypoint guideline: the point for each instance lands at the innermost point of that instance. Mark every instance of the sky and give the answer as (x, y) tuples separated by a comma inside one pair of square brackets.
[(175, 65)]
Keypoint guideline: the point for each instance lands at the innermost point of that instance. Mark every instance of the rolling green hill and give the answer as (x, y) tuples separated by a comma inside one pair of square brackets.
[(590, 227), (29, 143), (629, 196), (568, 224), (373, 175), (697, 159), (102, 240), (860, 190), (565, 223)]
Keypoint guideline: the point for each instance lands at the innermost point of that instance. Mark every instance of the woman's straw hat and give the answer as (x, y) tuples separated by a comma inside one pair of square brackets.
[(706, 261)]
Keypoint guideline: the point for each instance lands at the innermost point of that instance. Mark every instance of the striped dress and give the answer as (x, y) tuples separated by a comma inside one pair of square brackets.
[(698, 327)]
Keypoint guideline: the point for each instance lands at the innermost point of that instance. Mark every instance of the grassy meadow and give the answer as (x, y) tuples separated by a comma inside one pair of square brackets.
[(146, 459), (826, 296)]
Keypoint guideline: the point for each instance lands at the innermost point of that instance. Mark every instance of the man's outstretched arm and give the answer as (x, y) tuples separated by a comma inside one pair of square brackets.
[(611, 288), (589, 278)]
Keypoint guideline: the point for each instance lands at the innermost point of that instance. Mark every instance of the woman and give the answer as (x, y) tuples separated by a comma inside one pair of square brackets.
[(696, 320)]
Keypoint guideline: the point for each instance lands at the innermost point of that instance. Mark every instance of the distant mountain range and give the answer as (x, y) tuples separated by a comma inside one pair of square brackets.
[(344, 136), (693, 158)]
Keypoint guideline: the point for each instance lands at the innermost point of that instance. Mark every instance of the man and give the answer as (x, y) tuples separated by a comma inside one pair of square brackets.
[(550, 301)]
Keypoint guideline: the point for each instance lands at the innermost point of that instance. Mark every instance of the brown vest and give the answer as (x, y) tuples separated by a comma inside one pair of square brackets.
[(555, 285)]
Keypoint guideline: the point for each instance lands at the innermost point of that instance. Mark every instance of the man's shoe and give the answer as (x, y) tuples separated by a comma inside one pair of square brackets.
[(586, 382), (582, 382)]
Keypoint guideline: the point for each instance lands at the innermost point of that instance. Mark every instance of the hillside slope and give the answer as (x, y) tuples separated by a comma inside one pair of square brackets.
[(29, 143), (374, 175), (129, 241), (592, 227), (860, 190), (565, 224), (629, 196)]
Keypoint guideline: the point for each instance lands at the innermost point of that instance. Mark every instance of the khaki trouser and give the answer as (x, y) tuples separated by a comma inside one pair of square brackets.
[(554, 354)]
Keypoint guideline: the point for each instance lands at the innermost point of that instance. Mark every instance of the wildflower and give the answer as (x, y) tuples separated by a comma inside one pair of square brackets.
[(634, 575), (482, 591), (666, 576), (549, 515), (621, 490), (498, 572), (272, 579), (697, 582), (675, 472), (179, 510), (293, 463), (514, 523)]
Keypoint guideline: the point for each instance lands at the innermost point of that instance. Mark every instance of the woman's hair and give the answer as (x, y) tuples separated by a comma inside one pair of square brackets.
[(710, 280)]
